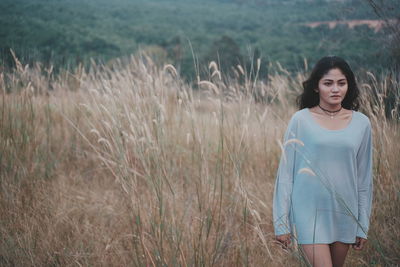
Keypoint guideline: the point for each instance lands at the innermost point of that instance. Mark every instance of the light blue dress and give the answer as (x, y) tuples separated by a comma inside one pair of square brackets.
[(323, 188)]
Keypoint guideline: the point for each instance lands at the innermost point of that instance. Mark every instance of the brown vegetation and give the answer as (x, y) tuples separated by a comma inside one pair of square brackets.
[(127, 165)]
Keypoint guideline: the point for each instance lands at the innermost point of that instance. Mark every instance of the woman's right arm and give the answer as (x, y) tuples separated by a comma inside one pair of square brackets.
[(284, 183)]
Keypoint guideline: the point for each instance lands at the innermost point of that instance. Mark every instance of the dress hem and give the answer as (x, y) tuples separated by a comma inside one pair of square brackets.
[(325, 242)]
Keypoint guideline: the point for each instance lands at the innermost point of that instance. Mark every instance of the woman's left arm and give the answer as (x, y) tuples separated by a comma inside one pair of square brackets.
[(364, 182)]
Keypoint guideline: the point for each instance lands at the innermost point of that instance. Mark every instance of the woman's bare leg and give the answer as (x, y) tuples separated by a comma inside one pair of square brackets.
[(318, 255), (338, 253)]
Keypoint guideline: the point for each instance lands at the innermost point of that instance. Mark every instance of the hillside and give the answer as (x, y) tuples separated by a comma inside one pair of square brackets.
[(67, 32)]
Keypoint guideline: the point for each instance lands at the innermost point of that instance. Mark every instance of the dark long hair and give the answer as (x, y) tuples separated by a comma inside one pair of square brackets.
[(309, 98)]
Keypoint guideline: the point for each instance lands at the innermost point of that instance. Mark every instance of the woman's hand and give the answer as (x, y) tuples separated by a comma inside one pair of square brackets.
[(284, 240), (360, 242)]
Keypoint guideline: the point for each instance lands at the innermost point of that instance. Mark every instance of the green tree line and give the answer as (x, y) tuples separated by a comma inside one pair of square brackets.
[(181, 32)]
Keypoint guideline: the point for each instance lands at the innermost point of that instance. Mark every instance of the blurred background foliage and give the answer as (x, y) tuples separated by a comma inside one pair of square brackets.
[(189, 33)]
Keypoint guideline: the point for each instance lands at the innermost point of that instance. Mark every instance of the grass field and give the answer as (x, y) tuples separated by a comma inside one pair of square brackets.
[(127, 165)]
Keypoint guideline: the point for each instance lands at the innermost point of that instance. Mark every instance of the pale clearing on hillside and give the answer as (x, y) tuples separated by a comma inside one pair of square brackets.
[(376, 25)]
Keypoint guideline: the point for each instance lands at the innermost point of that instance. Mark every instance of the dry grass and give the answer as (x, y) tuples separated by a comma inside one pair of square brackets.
[(126, 165)]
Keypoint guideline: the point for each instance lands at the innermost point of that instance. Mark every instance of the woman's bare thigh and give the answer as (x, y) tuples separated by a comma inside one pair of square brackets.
[(338, 253), (318, 255)]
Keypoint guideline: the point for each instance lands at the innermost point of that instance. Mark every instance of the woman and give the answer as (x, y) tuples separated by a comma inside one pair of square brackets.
[(323, 190)]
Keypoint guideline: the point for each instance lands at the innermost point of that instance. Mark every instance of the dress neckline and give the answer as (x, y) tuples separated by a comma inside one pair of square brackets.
[(329, 130)]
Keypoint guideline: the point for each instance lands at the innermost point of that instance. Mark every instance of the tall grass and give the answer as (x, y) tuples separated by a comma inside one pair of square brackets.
[(127, 165)]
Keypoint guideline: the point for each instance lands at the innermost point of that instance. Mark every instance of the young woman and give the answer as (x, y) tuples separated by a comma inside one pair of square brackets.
[(323, 189)]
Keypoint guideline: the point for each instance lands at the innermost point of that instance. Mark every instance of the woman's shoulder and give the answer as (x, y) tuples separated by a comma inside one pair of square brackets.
[(361, 118), (297, 118), (300, 114)]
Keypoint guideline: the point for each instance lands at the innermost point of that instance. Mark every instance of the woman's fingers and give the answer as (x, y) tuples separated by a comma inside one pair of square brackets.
[(360, 242), (356, 245), (284, 240)]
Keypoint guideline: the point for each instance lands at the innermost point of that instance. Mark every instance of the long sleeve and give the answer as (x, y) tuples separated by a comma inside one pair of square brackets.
[(364, 182), (284, 182), (324, 182)]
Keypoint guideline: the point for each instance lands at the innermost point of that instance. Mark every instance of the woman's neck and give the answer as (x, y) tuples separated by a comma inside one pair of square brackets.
[(330, 108)]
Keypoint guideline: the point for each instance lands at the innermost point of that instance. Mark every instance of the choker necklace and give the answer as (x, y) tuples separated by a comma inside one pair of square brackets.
[(329, 112)]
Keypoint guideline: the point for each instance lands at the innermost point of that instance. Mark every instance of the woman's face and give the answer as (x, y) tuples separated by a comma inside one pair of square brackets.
[(332, 89)]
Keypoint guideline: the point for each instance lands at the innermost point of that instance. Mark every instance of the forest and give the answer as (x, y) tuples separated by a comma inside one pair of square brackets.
[(188, 33)]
